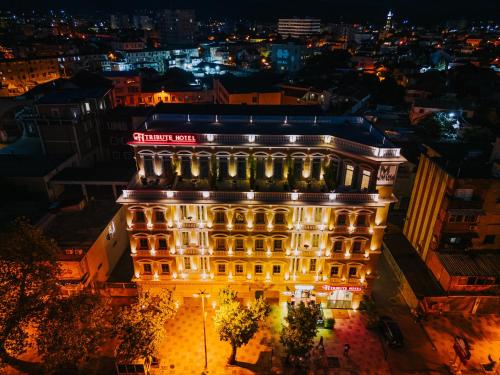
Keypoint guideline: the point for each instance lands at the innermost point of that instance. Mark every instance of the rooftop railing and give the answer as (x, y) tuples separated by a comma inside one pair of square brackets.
[(246, 197)]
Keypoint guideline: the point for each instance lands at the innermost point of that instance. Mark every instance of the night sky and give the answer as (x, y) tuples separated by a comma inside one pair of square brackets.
[(329, 10)]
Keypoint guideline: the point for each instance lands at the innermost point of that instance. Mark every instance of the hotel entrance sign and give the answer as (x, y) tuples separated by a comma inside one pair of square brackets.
[(164, 138), (332, 288)]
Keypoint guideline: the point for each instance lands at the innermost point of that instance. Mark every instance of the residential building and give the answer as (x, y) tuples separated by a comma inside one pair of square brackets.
[(422, 108), (232, 90), (177, 26), (20, 75), (69, 116), (289, 57), (129, 90), (298, 27), (453, 222), (92, 237), (288, 207)]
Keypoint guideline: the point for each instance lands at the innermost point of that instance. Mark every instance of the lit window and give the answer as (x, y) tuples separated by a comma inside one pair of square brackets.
[(185, 238), (318, 211), (312, 265), (187, 263), (349, 174), (365, 180), (315, 240)]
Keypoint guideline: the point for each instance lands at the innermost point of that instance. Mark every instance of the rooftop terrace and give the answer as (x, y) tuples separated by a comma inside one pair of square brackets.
[(351, 128)]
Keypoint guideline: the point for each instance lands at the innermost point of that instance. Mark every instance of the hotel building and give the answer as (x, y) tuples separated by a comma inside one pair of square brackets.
[(280, 206)]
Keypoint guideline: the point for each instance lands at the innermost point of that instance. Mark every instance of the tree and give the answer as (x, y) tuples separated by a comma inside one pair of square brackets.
[(236, 323), (140, 327), (28, 282), (72, 331), (299, 331)]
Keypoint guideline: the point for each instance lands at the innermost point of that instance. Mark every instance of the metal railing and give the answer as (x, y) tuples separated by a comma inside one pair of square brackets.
[(247, 197)]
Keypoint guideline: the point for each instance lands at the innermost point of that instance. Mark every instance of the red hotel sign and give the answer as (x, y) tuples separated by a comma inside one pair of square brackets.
[(332, 288), (164, 138)]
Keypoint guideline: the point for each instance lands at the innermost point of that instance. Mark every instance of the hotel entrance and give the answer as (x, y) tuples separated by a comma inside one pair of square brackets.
[(339, 299)]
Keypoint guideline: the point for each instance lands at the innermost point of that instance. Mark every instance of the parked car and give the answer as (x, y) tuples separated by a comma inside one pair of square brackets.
[(391, 332)]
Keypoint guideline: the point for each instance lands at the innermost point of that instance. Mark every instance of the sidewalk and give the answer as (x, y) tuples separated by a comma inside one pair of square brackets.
[(482, 333)]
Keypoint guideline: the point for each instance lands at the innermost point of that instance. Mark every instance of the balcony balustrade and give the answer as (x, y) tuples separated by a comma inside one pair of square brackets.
[(131, 196)]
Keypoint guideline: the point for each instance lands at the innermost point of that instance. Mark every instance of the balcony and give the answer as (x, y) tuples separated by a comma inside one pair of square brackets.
[(476, 203), (222, 197)]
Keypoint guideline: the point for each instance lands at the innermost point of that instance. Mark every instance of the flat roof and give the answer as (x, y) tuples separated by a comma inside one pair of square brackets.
[(471, 264), (28, 165), (238, 109), (463, 160), (105, 175), (354, 128), (81, 228), (421, 280)]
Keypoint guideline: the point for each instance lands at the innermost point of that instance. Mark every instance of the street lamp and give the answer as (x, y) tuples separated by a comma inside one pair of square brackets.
[(204, 295)]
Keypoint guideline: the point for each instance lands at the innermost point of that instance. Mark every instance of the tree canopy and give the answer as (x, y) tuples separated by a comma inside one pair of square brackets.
[(299, 331), (140, 327), (235, 323), (74, 329), (28, 281)]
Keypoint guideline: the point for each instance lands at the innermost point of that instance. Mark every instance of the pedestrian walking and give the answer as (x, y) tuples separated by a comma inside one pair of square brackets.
[(346, 349), (321, 346)]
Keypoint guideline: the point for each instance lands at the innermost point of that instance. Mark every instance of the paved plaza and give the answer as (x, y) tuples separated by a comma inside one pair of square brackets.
[(183, 351)]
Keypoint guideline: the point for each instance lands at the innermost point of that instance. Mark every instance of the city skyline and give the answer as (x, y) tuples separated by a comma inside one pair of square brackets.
[(426, 11)]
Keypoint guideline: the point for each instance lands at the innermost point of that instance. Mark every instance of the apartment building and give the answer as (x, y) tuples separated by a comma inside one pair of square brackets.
[(288, 207), (298, 27), (453, 222), (20, 75)]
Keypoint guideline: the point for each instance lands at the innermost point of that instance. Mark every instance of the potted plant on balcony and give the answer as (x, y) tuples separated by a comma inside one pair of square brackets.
[(252, 173), (213, 173), (291, 178), (330, 176)]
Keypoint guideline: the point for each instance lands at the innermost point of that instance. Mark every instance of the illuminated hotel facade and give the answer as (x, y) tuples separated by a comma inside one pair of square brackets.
[(279, 206)]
